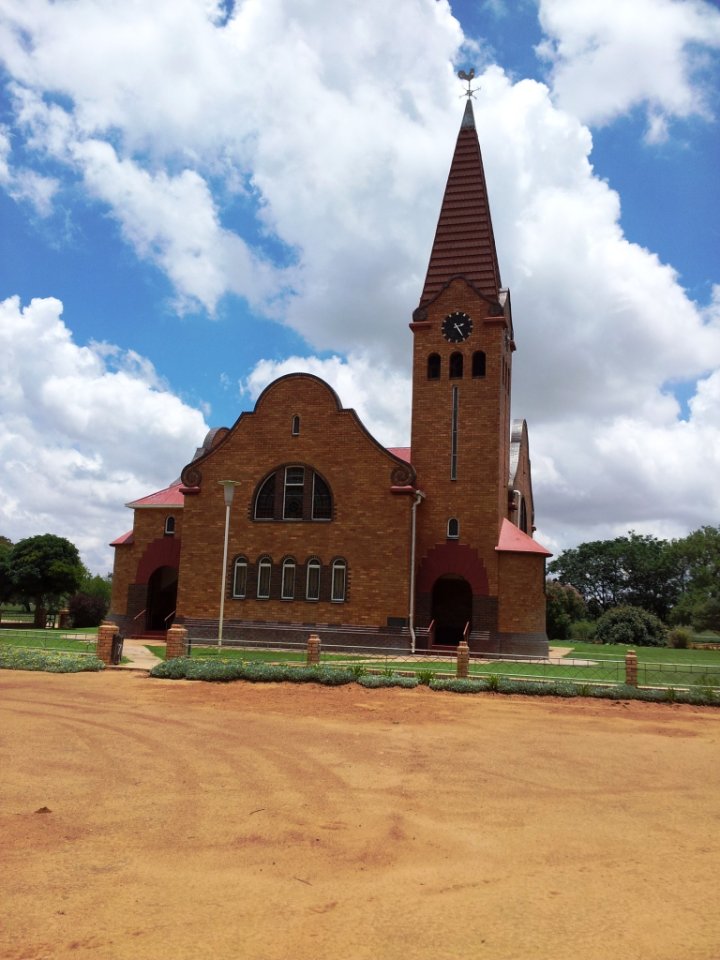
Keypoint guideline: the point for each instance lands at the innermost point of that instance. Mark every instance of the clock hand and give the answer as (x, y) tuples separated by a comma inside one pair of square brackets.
[(458, 328)]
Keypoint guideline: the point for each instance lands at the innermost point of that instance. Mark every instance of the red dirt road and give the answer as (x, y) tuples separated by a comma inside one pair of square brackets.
[(288, 823)]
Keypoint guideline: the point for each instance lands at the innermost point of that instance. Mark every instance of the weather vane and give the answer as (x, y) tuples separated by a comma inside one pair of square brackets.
[(469, 77)]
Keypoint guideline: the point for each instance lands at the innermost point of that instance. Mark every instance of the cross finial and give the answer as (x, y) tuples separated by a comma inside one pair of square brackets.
[(468, 77)]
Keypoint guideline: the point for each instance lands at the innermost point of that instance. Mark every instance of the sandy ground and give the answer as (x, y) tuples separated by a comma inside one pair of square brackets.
[(144, 818)]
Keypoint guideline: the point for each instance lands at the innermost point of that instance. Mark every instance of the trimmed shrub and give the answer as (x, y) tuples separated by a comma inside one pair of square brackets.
[(631, 625), (680, 638), (48, 661), (460, 685), (375, 681)]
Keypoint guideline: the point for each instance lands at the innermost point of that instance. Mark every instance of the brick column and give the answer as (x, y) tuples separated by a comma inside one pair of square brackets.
[(631, 670), (176, 642), (463, 659), (313, 650), (64, 619), (105, 637)]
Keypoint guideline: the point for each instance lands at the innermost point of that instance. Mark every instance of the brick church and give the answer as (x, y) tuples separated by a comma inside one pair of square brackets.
[(333, 533)]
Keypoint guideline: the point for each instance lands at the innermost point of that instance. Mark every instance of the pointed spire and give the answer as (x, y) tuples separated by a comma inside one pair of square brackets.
[(464, 243)]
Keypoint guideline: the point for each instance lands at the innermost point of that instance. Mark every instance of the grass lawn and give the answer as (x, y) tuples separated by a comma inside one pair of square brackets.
[(51, 639)]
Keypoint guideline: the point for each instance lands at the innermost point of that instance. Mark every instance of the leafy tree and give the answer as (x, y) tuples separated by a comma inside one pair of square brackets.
[(631, 625), (564, 606), (86, 610), (706, 616), (698, 558), (44, 569), (6, 585)]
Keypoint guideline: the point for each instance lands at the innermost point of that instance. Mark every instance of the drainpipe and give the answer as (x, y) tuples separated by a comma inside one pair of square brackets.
[(419, 496)]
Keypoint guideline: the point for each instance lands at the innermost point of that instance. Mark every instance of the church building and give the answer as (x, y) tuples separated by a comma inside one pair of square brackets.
[(332, 533)]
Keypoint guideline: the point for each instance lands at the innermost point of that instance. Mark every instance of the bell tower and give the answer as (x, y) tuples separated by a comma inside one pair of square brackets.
[(461, 431)]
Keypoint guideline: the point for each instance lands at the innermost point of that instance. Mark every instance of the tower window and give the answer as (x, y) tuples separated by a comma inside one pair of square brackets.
[(339, 570), (478, 364), (453, 528), (454, 433), (456, 366), (433, 366), (295, 428), (169, 526), (240, 569)]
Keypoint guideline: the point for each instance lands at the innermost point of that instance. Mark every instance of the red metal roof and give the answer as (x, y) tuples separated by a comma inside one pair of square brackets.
[(125, 538), (513, 540), (169, 497), (464, 242), (402, 452)]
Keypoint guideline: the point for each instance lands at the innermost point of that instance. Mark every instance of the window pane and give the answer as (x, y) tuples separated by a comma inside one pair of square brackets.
[(240, 578), (265, 503), (288, 580), (312, 591), (322, 502), (263, 585), (294, 490), (338, 581)]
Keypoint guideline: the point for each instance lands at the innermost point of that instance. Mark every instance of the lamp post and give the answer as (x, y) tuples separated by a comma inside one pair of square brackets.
[(229, 492)]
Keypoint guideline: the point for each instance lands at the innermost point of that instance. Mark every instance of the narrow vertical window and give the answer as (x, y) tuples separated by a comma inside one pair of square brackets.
[(433, 366), (294, 490), (523, 515), (454, 434), (453, 528), (339, 570), (295, 429), (456, 366), (263, 580), (478, 364), (240, 577), (169, 526), (287, 589), (312, 585)]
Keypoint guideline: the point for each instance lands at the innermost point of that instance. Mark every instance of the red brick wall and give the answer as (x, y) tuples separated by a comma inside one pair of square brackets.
[(522, 593), (148, 527)]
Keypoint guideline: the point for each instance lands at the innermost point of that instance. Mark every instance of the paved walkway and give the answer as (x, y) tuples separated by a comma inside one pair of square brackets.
[(138, 655)]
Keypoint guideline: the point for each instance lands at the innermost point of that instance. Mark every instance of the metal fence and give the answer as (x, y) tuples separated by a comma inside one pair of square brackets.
[(49, 640)]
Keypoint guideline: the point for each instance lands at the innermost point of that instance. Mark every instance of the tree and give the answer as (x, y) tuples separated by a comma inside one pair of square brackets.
[(45, 569), (631, 625), (91, 602), (698, 558), (564, 606), (6, 585)]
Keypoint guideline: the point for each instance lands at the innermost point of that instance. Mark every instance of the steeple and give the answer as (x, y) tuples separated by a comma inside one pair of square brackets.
[(464, 243)]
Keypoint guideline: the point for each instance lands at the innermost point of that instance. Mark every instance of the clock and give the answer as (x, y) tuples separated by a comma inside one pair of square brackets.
[(457, 327)]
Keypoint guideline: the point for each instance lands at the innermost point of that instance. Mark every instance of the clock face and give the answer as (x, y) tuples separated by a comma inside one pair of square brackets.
[(457, 327)]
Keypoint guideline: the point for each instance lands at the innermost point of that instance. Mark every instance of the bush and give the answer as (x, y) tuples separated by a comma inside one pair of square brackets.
[(564, 605), (374, 681), (680, 638), (27, 658), (631, 625), (87, 611), (583, 631)]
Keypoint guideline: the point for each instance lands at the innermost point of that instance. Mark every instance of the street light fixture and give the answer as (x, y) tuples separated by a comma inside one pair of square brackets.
[(229, 492)]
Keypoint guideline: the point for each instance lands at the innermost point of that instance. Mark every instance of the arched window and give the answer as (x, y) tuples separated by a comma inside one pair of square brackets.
[(263, 578), (453, 528), (287, 588), (169, 526), (293, 492), (265, 500), (456, 366), (433, 366), (312, 580), (240, 568), (339, 578), (478, 364), (295, 428)]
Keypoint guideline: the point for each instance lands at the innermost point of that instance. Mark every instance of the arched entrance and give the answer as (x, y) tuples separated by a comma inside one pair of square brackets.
[(451, 608), (161, 598)]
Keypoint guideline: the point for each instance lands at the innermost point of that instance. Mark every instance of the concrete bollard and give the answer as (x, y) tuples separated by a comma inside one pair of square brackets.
[(631, 668), (105, 637), (176, 642), (463, 659), (313, 650)]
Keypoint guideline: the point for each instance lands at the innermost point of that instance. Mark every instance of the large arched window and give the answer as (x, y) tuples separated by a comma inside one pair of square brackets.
[(339, 581), (456, 366), (433, 366), (478, 364), (240, 570), (293, 492)]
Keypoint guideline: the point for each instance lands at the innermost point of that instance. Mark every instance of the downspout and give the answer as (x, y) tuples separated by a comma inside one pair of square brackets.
[(419, 496)]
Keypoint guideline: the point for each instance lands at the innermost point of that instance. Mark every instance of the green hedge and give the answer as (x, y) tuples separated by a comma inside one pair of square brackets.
[(49, 661)]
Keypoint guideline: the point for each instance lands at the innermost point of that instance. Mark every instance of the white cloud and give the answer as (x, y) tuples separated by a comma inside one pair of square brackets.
[(84, 430), (607, 60)]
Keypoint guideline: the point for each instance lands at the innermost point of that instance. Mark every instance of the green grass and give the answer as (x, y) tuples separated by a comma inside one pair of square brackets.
[(49, 639), (617, 651)]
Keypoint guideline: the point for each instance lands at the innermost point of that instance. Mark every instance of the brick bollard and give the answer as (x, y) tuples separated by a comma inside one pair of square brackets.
[(313, 650), (105, 637), (64, 620), (463, 659), (631, 670), (176, 642)]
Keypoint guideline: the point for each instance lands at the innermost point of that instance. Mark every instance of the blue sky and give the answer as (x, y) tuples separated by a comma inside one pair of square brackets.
[(196, 199)]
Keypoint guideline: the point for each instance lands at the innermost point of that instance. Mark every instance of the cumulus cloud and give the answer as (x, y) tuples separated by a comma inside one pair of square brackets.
[(607, 60), (84, 430)]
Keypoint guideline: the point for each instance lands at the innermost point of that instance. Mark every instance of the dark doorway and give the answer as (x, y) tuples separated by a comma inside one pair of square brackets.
[(161, 598), (451, 609)]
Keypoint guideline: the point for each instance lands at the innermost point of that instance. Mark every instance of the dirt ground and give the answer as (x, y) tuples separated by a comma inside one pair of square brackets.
[(142, 818)]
